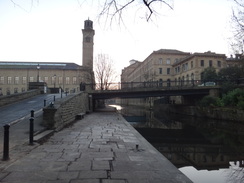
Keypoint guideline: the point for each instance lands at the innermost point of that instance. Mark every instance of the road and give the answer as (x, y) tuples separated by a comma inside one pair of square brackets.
[(17, 111), (18, 114)]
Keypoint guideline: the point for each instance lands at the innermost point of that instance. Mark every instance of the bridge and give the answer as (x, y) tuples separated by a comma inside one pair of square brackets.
[(154, 89)]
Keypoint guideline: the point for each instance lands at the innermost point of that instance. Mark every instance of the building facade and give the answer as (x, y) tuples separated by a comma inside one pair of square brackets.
[(173, 67), (15, 77)]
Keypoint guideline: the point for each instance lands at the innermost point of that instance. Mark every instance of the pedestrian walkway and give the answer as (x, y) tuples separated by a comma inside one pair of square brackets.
[(101, 148)]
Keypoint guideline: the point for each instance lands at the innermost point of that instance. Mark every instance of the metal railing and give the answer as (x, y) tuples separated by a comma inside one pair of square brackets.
[(163, 84)]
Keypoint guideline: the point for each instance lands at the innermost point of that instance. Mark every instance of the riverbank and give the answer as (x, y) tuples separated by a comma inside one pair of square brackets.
[(228, 114)]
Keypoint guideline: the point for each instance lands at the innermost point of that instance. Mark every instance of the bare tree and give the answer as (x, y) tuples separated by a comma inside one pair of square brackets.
[(237, 43), (114, 9), (105, 73)]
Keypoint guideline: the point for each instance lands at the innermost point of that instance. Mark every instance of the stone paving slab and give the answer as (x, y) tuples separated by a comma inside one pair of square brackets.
[(101, 148)]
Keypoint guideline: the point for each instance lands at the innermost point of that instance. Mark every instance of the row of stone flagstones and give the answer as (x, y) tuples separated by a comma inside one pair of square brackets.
[(101, 148)]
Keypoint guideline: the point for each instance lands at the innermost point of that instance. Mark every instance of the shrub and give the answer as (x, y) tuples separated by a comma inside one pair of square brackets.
[(233, 97), (209, 101), (240, 103)]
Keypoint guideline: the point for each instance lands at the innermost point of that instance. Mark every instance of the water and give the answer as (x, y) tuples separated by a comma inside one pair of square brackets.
[(206, 151)]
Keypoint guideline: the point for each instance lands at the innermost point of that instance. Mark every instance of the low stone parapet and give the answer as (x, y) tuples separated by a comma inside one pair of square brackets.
[(9, 99), (64, 111)]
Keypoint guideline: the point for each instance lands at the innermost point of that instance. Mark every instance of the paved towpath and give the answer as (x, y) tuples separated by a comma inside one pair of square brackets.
[(101, 148)]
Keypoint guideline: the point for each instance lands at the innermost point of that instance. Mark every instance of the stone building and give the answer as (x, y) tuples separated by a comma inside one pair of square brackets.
[(15, 77), (172, 67)]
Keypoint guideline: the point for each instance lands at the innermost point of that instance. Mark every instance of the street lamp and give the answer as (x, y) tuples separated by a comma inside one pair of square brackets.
[(38, 68), (54, 77)]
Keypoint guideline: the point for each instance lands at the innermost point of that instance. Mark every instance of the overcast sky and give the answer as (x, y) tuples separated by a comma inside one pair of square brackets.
[(50, 30)]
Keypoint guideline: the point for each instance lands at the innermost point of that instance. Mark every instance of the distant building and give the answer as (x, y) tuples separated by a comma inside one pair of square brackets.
[(237, 60), (70, 77), (167, 66)]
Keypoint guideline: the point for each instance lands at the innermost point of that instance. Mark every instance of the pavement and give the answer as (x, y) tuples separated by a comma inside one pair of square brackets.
[(100, 148), (19, 131)]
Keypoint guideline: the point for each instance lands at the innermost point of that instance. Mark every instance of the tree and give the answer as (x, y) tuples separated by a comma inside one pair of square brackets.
[(238, 27), (115, 8), (231, 73), (104, 72), (209, 74)]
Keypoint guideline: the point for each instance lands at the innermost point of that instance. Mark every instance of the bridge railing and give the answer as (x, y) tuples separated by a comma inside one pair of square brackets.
[(161, 84)]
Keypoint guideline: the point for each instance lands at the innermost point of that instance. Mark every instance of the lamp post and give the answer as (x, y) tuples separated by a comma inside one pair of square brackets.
[(38, 68), (54, 77)]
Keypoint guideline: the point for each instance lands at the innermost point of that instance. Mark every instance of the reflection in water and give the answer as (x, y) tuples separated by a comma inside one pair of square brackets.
[(203, 149)]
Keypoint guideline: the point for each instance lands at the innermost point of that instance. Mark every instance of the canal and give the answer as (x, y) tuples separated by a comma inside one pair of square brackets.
[(205, 150)]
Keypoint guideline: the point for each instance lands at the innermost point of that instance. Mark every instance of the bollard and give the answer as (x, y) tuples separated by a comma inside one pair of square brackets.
[(6, 143), (45, 102), (54, 98), (137, 147), (31, 133), (32, 113)]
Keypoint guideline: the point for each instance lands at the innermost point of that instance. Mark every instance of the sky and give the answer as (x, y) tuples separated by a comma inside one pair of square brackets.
[(50, 30)]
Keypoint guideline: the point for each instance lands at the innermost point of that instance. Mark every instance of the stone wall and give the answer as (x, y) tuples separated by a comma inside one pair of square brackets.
[(230, 114), (8, 99), (64, 111)]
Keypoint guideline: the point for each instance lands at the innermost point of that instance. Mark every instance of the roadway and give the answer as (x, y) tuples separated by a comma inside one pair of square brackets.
[(18, 114), (16, 111)]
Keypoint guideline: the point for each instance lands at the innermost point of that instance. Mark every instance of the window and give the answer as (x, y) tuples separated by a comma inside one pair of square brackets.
[(160, 61), (202, 63), (160, 82), (15, 90), (60, 80), (31, 79), (23, 89), (9, 80), (16, 80), (210, 63), (2, 80), (24, 80), (1, 92), (176, 60), (219, 63), (191, 64), (46, 79), (168, 61), (53, 80), (168, 70), (8, 91), (160, 71), (74, 80), (176, 69), (67, 80)]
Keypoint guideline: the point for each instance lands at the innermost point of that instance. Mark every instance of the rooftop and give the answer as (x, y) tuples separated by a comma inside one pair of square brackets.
[(42, 65)]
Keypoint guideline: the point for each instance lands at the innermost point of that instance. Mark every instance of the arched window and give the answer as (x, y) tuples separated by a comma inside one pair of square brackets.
[(192, 79), (168, 82), (183, 80), (160, 82), (187, 79)]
